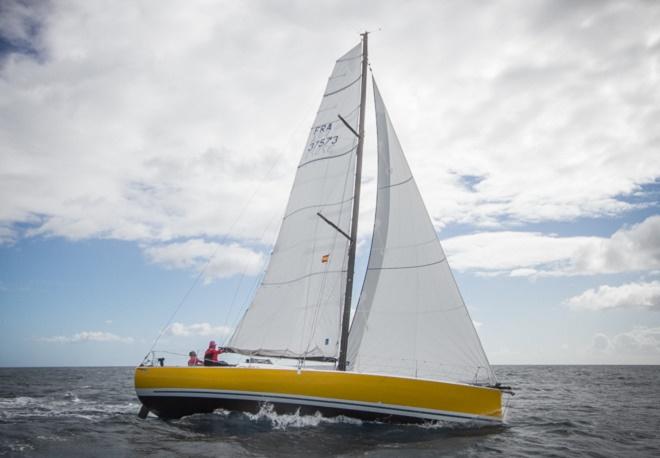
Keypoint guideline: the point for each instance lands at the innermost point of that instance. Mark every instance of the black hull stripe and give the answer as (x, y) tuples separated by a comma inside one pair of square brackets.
[(342, 405), (172, 408)]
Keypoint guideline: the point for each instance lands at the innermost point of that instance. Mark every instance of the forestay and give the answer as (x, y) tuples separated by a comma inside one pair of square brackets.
[(296, 310), (411, 319)]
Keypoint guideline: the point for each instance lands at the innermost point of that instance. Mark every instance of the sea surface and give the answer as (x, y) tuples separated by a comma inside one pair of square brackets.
[(609, 411)]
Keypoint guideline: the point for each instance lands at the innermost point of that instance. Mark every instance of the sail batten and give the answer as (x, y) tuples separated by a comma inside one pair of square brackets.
[(411, 319), (303, 164), (296, 309), (332, 204), (303, 277), (343, 88), (416, 266)]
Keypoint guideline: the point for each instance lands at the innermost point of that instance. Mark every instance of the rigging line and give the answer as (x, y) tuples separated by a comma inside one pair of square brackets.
[(309, 268), (249, 298), (233, 300), (314, 318), (335, 239), (257, 281), (324, 279), (215, 252), (231, 307), (491, 373), (324, 276), (166, 352), (256, 190)]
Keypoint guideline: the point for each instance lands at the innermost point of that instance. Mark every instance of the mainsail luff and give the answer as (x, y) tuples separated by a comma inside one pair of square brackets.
[(296, 311), (411, 319), (348, 294)]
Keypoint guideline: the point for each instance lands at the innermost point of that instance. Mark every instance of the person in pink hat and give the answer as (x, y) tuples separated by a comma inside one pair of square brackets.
[(211, 354)]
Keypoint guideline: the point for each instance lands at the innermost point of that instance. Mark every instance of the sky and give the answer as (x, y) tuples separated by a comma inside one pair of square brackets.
[(147, 150)]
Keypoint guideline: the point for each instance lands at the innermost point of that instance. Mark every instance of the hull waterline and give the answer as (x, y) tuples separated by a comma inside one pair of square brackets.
[(173, 392)]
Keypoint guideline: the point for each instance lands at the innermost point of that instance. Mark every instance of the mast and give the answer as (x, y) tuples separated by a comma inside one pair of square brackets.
[(346, 314)]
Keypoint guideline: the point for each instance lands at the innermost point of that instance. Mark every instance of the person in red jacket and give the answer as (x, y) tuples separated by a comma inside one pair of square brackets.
[(211, 354)]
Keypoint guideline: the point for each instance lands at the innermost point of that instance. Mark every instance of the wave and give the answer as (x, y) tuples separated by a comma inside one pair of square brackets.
[(20, 447), (68, 405), (280, 421)]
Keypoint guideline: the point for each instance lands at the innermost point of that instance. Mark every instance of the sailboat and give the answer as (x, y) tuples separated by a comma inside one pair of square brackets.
[(411, 352)]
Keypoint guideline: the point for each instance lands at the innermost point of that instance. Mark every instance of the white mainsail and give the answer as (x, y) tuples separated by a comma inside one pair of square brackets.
[(296, 311), (411, 319)]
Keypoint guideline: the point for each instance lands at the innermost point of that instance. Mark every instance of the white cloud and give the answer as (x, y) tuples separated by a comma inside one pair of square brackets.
[(517, 253), (218, 261), (532, 254), (640, 345), (634, 248), (88, 336), (114, 127), (7, 235), (645, 295), (199, 329)]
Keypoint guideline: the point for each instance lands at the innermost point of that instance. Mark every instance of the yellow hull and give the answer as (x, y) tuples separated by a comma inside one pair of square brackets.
[(172, 392)]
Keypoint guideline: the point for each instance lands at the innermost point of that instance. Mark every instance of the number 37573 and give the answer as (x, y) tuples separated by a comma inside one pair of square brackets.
[(322, 142)]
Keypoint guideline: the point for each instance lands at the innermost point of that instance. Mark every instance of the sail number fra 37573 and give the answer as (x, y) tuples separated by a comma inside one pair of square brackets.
[(322, 131)]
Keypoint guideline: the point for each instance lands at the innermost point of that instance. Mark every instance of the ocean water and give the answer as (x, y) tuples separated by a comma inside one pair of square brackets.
[(608, 411)]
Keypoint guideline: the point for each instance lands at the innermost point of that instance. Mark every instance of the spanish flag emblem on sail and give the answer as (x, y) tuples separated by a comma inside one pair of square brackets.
[(325, 258)]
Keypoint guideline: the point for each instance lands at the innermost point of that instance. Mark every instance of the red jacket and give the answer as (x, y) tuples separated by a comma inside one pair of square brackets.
[(212, 354)]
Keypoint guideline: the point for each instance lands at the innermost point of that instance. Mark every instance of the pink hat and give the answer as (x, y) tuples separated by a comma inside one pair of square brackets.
[(212, 343)]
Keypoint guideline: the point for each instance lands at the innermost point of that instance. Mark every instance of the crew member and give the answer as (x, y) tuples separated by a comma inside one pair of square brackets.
[(211, 354), (194, 360)]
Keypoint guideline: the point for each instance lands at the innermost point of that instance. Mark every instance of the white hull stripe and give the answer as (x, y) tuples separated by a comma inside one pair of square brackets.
[(391, 409)]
